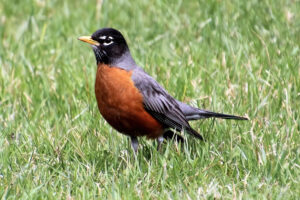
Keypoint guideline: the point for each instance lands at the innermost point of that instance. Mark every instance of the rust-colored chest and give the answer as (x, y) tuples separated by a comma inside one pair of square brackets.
[(121, 103)]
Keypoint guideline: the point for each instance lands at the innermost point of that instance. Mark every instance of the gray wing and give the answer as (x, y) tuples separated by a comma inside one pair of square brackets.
[(160, 104)]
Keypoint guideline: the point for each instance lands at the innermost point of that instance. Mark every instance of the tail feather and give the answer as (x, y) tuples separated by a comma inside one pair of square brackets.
[(192, 113), (200, 114)]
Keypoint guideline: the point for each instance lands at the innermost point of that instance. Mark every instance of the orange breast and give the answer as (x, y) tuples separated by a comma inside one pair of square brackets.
[(121, 104)]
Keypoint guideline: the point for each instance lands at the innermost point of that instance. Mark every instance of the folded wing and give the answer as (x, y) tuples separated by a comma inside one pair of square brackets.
[(160, 104)]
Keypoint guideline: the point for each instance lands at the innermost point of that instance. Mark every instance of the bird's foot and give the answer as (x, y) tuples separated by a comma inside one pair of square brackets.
[(134, 144), (160, 140)]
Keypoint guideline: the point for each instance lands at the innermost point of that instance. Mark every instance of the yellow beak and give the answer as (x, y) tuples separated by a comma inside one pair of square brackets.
[(89, 40)]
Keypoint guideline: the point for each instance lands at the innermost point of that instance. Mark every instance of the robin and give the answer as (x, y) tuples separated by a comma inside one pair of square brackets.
[(133, 102)]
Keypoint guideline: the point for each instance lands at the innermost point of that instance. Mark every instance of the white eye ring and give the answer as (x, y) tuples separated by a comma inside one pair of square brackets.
[(107, 43)]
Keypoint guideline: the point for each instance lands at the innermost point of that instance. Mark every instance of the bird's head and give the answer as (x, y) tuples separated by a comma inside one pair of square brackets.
[(108, 44)]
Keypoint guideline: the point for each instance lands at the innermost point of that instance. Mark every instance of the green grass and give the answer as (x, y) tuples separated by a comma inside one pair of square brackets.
[(236, 57)]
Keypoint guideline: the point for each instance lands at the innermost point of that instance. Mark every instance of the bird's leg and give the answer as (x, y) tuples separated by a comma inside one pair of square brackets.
[(160, 140), (134, 144)]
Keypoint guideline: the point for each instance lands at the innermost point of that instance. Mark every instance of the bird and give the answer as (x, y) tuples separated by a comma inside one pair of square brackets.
[(133, 102)]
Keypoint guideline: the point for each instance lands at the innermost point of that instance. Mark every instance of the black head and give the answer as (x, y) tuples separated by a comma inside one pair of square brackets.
[(108, 44)]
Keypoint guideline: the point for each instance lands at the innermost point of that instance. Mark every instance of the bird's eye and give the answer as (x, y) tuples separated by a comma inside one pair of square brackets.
[(107, 41)]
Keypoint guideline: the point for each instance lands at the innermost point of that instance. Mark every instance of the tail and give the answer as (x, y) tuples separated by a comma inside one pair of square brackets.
[(192, 113), (201, 114)]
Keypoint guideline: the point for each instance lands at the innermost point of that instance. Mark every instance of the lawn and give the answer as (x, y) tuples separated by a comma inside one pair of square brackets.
[(236, 57)]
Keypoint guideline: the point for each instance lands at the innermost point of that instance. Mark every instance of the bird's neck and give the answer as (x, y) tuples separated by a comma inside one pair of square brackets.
[(125, 61)]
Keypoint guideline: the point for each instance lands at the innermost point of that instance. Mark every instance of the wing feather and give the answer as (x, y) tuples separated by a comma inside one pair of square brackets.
[(160, 104)]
